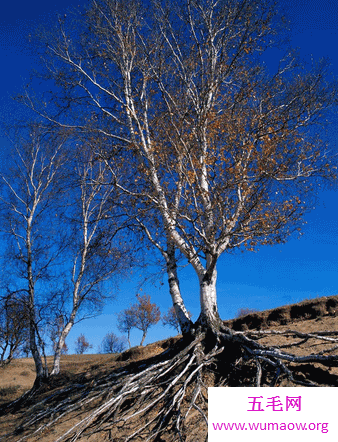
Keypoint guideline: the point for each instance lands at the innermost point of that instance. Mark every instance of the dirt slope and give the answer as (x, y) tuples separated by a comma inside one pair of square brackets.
[(309, 309), (19, 376), (85, 370)]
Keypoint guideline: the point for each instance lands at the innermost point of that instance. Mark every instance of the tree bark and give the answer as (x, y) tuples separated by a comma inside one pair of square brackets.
[(209, 317), (143, 338), (175, 292), (41, 371), (60, 344)]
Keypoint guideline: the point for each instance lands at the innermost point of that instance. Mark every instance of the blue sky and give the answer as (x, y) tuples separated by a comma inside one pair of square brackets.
[(302, 268)]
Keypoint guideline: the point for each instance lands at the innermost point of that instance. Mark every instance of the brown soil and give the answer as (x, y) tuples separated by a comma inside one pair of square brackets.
[(287, 314), (19, 375), (306, 317)]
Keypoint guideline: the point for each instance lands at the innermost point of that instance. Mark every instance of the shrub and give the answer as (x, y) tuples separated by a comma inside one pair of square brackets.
[(113, 344)]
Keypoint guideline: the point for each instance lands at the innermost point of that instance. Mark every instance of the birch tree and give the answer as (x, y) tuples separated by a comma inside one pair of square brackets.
[(29, 193), (146, 314), (213, 153), (223, 151), (94, 258), (82, 345), (60, 227), (141, 315)]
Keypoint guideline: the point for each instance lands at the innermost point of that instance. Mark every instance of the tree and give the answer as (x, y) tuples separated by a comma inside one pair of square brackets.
[(228, 159), (125, 322), (95, 258), (48, 228), (212, 153), (55, 331), (141, 315), (146, 314), (82, 345), (13, 327), (29, 194), (170, 318), (113, 344)]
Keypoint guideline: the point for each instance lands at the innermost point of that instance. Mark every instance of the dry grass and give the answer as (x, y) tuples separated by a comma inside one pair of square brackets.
[(19, 375)]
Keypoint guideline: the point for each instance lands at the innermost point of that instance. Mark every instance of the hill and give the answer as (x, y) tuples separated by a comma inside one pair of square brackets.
[(87, 381)]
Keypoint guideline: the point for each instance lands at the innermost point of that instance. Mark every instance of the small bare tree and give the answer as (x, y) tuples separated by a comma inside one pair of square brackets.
[(13, 327), (113, 344), (126, 322), (170, 319), (82, 345), (141, 315), (146, 314)]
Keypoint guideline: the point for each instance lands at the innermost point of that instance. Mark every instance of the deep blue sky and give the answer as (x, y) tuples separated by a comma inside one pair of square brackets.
[(302, 268)]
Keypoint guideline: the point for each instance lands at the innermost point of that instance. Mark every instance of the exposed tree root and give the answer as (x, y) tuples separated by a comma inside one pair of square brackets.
[(159, 400)]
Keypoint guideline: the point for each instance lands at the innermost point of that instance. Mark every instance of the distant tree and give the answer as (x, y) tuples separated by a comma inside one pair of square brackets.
[(141, 315), (125, 322), (146, 314), (113, 344), (13, 328), (82, 345), (170, 319), (25, 350)]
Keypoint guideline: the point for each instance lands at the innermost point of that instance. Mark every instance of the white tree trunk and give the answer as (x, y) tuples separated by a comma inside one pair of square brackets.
[(60, 344), (209, 316), (175, 292)]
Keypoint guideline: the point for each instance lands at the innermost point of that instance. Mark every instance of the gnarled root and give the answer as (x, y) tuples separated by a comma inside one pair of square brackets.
[(165, 399)]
